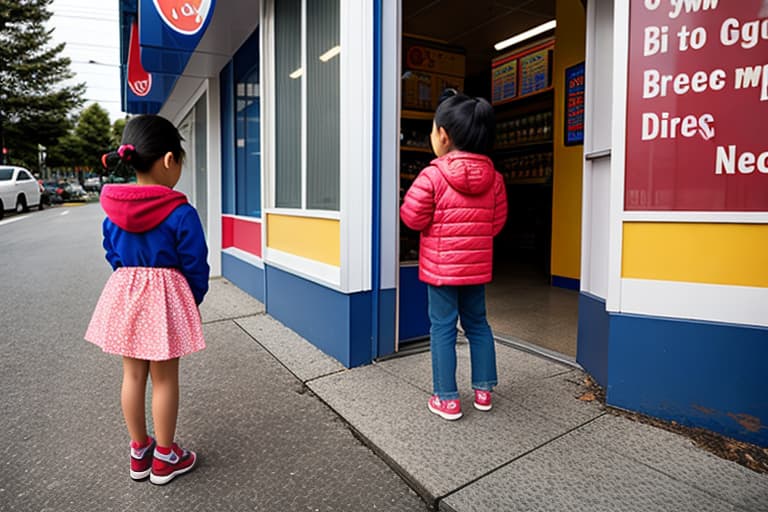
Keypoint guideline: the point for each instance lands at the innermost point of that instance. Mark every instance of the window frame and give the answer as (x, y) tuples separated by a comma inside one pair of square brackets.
[(357, 119)]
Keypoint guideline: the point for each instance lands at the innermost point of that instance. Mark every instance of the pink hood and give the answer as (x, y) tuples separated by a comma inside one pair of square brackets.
[(469, 173), (139, 208), (458, 203)]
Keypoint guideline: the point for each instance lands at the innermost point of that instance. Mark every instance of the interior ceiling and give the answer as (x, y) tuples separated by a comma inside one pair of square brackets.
[(474, 25)]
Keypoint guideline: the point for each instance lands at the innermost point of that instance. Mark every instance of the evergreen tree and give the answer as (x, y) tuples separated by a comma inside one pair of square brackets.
[(34, 104), (95, 135), (117, 131)]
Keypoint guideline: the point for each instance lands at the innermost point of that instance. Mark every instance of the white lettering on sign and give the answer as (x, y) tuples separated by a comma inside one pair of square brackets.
[(691, 6), (663, 126), (748, 35), (656, 40), (746, 163), (750, 77), (655, 84)]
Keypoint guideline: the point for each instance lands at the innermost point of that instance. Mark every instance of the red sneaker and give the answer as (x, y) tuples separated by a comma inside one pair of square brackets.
[(167, 467), (446, 409), (141, 459), (483, 400)]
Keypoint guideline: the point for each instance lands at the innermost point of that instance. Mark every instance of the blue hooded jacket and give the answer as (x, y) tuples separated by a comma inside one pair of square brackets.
[(155, 226)]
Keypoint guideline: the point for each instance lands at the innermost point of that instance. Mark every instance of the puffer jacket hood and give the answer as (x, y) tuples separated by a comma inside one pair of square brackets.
[(139, 208), (458, 203), (469, 173)]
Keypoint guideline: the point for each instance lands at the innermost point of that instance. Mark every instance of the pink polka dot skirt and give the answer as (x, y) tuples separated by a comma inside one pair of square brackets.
[(146, 313)]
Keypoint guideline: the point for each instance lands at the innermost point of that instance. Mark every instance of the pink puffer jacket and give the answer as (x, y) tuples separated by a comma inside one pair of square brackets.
[(459, 203)]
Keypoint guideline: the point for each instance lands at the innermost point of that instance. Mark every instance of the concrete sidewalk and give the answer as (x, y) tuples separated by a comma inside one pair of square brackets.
[(540, 448)]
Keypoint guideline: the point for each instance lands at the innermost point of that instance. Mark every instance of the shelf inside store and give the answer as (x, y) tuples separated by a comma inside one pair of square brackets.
[(417, 114), (418, 149), (529, 181), (524, 146)]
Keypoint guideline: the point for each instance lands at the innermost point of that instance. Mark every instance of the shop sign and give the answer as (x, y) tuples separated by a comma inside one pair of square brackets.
[(697, 104), (169, 32), (139, 81), (185, 17), (574, 105)]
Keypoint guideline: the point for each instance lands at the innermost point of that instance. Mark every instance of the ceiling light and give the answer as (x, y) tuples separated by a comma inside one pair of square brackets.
[(545, 27), (296, 74), (330, 53)]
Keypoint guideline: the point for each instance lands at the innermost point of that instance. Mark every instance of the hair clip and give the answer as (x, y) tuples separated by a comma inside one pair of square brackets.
[(125, 151)]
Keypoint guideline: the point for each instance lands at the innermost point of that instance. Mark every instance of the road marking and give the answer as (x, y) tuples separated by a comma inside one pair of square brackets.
[(65, 212), (12, 219)]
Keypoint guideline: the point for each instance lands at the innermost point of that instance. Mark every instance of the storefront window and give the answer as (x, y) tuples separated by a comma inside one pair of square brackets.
[(313, 58), (323, 104), (288, 77), (248, 148)]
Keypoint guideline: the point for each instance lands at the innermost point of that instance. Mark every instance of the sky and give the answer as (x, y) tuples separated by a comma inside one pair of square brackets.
[(90, 28)]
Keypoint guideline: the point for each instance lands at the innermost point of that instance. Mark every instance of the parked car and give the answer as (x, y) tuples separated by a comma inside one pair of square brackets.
[(18, 190), (65, 191), (53, 191), (92, 183)]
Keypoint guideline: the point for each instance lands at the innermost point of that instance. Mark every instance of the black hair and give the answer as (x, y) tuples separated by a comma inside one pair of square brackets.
[(146, 138), (469, 122)]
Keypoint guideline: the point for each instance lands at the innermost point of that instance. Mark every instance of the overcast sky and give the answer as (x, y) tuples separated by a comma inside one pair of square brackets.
[(91, 30)]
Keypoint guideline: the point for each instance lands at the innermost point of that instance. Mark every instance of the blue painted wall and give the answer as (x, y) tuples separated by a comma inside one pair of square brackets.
[(336, 323), (592, 340), (414, 318), (700, 374), (245, 276)]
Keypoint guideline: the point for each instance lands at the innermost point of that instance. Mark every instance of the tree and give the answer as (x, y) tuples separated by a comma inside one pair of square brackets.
[(95, 135), (34, 105), (117, 131)]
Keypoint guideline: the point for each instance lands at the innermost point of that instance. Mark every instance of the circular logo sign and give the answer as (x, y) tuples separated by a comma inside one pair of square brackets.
[(184, 16)]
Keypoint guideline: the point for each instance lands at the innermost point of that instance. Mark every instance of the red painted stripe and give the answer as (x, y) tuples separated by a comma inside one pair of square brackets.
[(241, 234)]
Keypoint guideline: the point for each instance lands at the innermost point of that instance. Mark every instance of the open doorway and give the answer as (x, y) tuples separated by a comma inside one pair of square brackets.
[(451, 43)]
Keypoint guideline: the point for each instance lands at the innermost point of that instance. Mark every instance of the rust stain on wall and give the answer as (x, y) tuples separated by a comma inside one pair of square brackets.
[(747, 421)]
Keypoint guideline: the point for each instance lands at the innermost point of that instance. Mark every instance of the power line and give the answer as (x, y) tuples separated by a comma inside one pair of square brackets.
[(115, 20)]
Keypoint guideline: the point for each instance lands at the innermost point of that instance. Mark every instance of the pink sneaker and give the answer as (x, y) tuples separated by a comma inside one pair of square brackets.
[(167, 467), (447, 409), (483, 400), (141, 459)]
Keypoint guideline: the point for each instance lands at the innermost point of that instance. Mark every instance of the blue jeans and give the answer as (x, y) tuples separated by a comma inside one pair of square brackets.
[(446, 305)]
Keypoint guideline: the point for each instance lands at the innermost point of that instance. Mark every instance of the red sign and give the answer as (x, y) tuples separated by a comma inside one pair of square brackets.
[(139, 80), (697, 106), (184, 16)]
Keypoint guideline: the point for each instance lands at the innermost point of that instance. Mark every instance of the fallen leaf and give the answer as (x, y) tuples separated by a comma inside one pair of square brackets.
[(587, 397)]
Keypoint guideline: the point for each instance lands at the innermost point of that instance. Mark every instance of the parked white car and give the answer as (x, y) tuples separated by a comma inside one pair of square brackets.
[(19, 190)]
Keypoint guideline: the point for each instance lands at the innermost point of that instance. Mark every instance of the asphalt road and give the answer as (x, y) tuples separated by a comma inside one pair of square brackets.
[(265, 443)]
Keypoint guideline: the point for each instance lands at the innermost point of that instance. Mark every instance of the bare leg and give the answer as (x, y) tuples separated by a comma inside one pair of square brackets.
[(165, 399), (132, 397)]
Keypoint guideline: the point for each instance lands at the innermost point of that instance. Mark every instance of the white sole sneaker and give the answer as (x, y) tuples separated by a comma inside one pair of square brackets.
[(483, 407), (445, 415), (162, 480)]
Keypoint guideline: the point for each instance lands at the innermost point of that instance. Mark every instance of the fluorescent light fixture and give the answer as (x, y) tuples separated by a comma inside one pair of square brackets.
[(330, 53), (297, 74), (519, 38)]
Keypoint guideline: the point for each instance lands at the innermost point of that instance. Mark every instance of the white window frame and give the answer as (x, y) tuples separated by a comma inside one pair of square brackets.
[(355, 146)]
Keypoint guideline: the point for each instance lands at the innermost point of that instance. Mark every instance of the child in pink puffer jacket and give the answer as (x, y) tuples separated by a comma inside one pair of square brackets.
[(459, 204)]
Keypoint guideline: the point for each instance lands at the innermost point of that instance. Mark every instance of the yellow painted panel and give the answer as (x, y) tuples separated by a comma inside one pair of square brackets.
[(311, 238), (568, 167), (730, 254)]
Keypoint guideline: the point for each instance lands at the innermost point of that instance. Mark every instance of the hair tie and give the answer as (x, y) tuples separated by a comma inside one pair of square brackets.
[(125, 151)]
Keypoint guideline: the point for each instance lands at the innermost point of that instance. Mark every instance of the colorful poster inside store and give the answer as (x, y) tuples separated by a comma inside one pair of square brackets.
[(574, 105), (504, 81), (534, 72), (697, 104)]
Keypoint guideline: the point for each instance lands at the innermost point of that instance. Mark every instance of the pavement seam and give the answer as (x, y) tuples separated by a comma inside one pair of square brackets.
[(234, 318), (303, 382), (440, 499)]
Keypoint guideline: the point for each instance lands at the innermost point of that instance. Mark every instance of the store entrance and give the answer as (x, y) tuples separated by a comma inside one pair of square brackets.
[(451, 44)]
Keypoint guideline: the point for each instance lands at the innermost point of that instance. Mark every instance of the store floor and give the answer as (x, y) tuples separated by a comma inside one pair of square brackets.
[(522, 305)]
